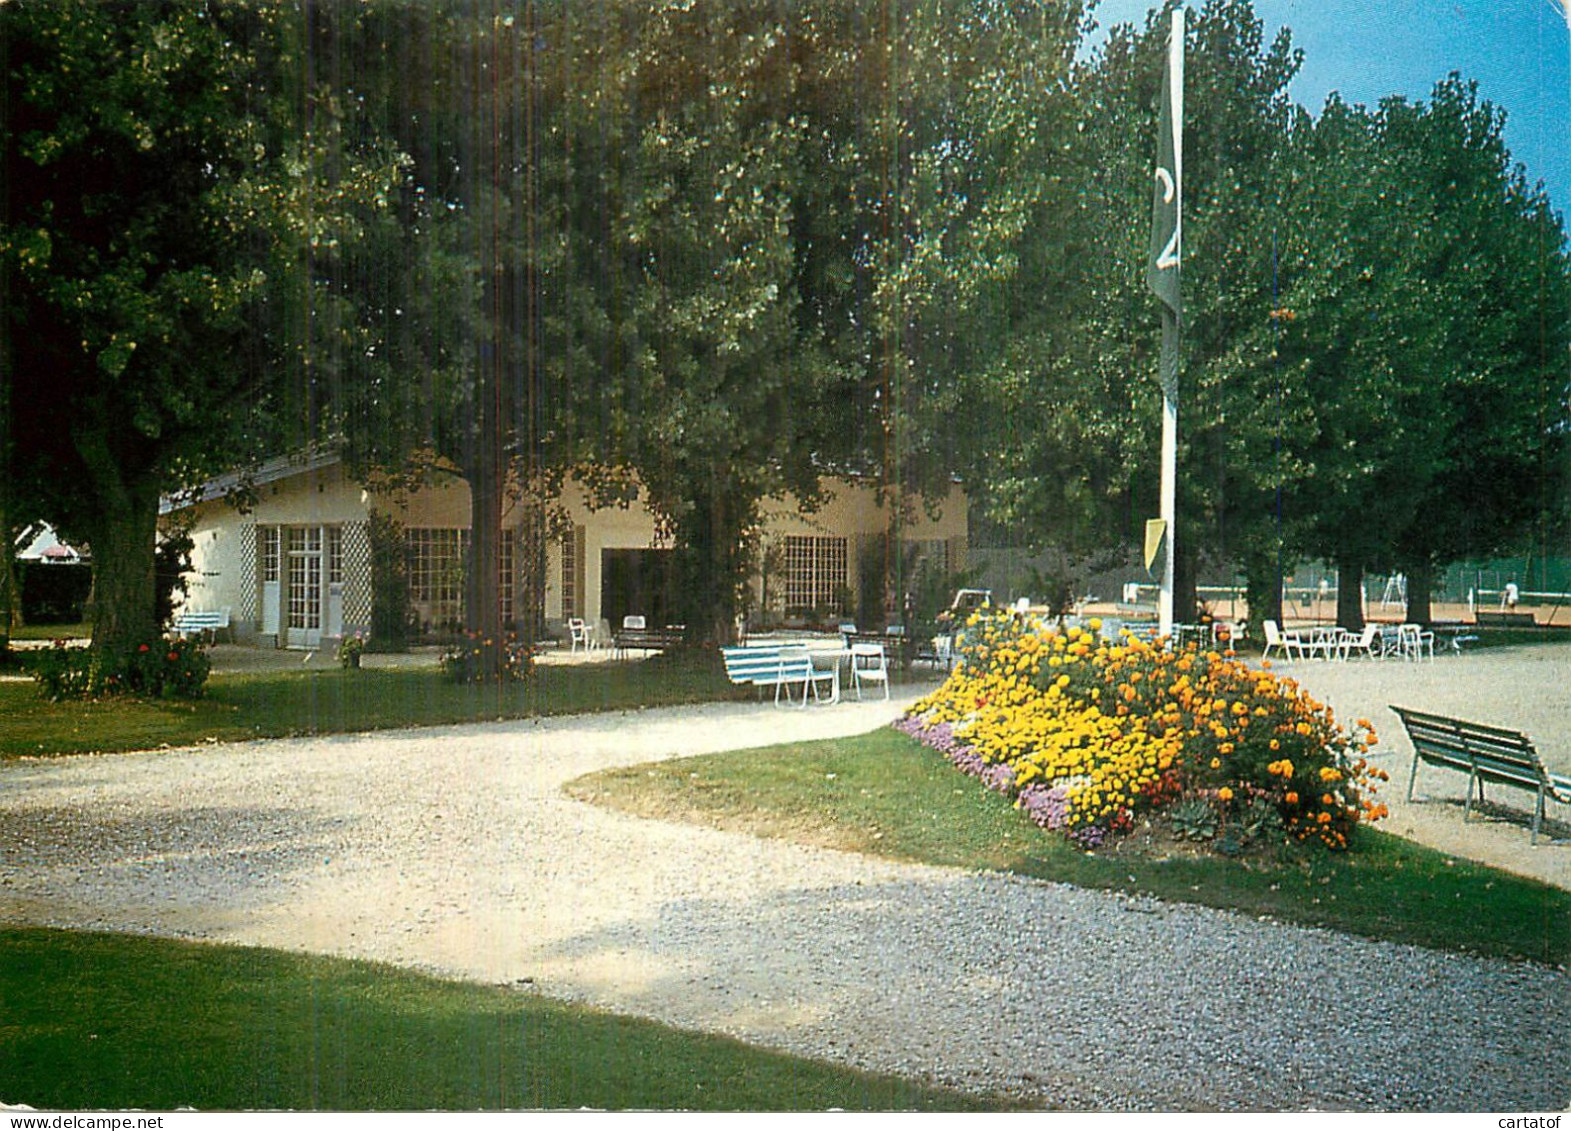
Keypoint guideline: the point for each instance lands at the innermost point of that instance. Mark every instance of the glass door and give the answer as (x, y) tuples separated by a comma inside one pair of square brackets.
[(304, 575)]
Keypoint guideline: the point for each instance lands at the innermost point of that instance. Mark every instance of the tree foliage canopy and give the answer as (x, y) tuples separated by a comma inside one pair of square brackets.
[(722, 250)]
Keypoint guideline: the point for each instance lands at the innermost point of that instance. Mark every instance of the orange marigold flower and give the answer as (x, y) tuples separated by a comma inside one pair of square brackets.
[(1291, 798)]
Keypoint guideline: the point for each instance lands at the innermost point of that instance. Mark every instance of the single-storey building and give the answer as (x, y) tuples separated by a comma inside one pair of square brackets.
[(294, 567)]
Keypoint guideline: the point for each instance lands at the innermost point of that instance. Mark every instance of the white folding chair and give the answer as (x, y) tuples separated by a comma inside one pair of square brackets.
[(869, 664), (578, 635)]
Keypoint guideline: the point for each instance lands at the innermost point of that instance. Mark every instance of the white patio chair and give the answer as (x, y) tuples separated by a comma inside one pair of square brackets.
[(1365, 643), (1414, 639), (1276, 639), (578, 635), (869, 664), (634, 622)]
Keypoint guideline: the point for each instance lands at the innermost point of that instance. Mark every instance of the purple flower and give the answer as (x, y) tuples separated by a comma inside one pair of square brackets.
[(1047, 805)]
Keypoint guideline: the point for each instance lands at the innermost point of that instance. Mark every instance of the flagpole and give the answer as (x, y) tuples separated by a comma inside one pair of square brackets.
[(1174, 96), (1169, 500)]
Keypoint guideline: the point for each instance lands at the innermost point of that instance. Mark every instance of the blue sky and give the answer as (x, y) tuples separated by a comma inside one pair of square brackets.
[(1517, 50)]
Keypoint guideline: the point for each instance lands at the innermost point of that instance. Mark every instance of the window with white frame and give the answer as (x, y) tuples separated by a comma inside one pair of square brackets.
[(335, 554), (269, 552), (436, 565), (570, 565), (507, 580), (815, 572)]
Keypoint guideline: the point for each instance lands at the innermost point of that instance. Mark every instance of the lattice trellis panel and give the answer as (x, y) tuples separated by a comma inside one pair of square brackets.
[(246, 598), (357, 576)]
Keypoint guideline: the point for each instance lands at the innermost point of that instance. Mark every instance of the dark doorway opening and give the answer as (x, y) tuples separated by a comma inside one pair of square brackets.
[(637, 583)]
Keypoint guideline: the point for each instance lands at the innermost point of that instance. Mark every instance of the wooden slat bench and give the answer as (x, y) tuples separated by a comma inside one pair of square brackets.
[(1484, 753), (780, 666), (645, 640), (207, 624)]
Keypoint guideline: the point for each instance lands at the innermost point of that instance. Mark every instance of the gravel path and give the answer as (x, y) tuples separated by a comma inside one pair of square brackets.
[(454, 850)]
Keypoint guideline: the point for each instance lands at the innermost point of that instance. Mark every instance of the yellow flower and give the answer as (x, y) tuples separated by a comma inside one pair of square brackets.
[(1225, 793)]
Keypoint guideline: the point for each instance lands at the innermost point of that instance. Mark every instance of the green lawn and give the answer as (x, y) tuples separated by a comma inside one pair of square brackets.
[(77, 631), (272, 704), (118, 1022), (884, 793)]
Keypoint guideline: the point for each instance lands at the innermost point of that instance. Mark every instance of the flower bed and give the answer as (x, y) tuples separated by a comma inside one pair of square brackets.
[(466, 662), (1087, 736), (158, 668)]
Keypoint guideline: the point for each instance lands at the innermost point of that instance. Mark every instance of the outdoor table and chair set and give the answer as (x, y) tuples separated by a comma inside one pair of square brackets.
[(788, 665), (1375, 642)]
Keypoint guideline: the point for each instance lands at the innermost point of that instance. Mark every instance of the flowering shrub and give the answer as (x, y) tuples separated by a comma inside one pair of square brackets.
[(1086, 736), (464, 662), (350, 649), (62, 672), (157, 668)]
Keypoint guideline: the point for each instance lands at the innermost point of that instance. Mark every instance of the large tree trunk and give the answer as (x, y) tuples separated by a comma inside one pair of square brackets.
[(484, 471), (1185, 582), (123, 543), (1420, 589), (482, 589), (1263, 590), (8, 594), (122, 528), (711, 568), (1349, 595)]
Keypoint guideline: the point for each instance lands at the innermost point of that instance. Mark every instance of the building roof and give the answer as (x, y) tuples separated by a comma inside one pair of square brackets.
[(40, 543), (268, 471)]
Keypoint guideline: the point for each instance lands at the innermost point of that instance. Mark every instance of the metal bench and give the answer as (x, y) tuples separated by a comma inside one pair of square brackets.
[(207, 624), (780, 666), (1484, 753), (645, 640)]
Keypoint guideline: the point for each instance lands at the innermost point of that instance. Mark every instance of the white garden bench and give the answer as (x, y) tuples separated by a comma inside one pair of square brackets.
[(781, 666), (206, 624)]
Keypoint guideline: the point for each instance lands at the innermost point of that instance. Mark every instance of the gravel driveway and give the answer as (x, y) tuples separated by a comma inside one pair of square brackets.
[(454, 850)]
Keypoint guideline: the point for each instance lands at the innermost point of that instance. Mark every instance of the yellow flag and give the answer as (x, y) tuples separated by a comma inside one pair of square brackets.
[(1156, 530)]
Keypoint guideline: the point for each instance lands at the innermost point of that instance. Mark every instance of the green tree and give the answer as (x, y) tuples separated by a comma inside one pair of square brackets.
[(164, 197), (1428, 286), (703, 378), (1063, 411)]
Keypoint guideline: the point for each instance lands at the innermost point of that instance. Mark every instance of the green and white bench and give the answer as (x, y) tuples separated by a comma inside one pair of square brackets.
[(781, 666), (1483, 753), (205, 624)]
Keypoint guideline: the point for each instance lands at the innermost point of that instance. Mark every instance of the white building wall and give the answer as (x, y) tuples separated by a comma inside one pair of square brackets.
[(225, 553)]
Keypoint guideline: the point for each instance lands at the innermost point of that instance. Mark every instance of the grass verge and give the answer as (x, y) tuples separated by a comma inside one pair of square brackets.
[(884, 793), (120, 1022), (276, 704)]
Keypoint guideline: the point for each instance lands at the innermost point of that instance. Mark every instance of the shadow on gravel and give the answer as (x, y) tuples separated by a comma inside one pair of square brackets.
[(185, 854), (1086, 999)]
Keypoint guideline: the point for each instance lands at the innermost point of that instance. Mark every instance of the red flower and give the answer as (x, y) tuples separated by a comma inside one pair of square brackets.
[(141, 648), (174, 656)]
